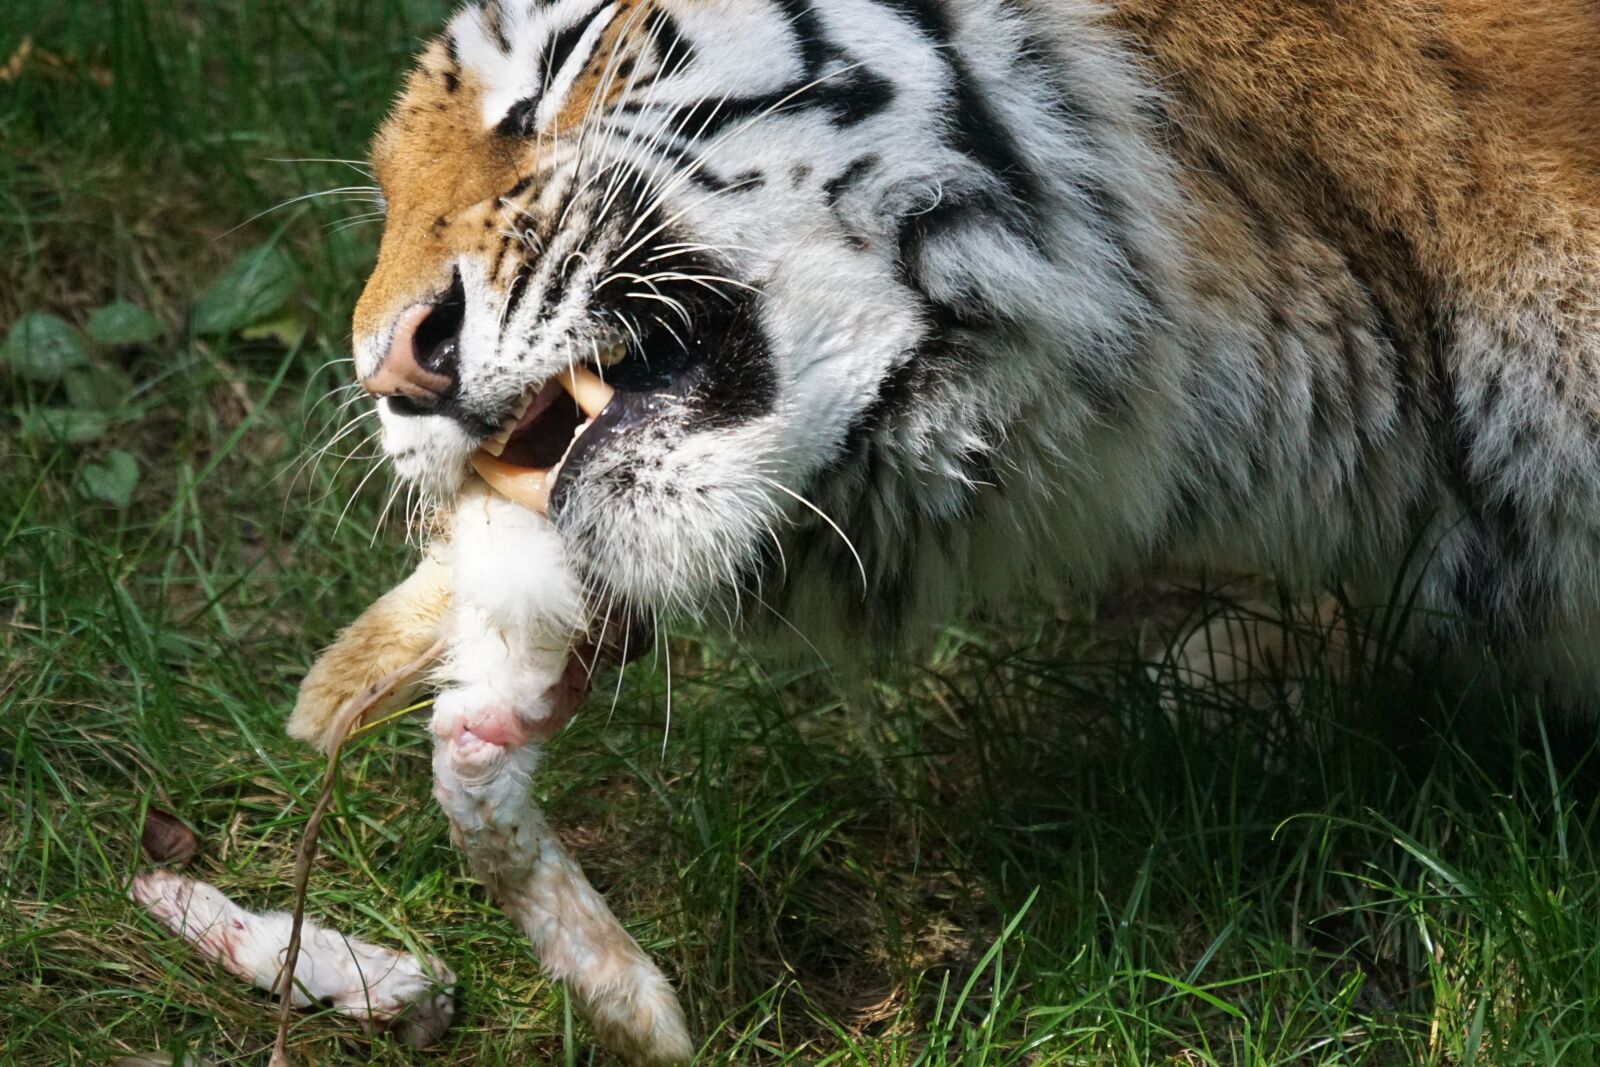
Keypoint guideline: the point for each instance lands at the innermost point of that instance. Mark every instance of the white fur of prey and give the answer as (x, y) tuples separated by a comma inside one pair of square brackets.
[(513, 628), (501, 593)]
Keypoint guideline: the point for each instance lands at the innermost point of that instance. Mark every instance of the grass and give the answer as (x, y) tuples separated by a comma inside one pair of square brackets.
[(1009, 853)]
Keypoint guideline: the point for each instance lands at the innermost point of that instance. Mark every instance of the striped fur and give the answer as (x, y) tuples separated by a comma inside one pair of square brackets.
[(939, 300)]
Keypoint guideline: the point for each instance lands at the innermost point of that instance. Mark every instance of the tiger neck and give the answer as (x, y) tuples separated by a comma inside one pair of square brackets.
[(1133, 331)]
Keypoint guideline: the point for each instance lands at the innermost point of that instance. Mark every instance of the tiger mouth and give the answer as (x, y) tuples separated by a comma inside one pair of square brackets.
[(523, 459)]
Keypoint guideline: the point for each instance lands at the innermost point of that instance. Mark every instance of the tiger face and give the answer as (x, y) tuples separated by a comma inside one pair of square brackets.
[(634, 273), (842, 310)]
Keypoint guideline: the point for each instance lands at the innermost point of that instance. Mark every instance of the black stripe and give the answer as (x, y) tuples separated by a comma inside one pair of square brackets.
[(555, 292), (853, 93), (980, 135), (977, 132), (1109, 219), (674, 53), (689, 161), (520, 117), (519, 289), (506, 241), (807, 27), (919, 231), (852, 96), (896, 391), (561, 46), (857, 170), (494, 22), (855, 97)]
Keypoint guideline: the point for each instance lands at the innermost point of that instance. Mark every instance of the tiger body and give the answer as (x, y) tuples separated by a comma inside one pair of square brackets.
[(929, 301)]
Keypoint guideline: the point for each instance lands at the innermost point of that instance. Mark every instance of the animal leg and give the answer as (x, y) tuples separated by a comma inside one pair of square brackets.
[(486, 791), (382, 987), (394, 631)]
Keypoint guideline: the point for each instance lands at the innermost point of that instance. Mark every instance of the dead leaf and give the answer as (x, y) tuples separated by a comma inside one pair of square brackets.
[(166, 839), (19, 60), (51, 65)]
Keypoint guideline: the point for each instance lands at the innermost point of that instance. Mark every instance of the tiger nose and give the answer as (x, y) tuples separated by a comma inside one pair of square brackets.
[(421, 366)]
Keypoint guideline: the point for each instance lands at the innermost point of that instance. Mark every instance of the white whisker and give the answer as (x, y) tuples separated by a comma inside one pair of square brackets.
[(862, 567)]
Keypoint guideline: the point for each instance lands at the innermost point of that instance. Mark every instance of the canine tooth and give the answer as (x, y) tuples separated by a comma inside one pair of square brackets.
[(529, 487), (587, 389)]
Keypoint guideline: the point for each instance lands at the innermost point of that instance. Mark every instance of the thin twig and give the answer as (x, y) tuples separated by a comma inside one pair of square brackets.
[(357, 708)]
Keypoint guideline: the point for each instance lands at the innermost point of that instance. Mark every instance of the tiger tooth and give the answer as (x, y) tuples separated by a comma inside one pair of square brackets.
[(612, 356), (496, 442), (587, 389), (527, 486), (524, 404)]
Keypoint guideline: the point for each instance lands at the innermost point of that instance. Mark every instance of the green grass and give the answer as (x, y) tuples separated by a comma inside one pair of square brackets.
[(1008, 854)]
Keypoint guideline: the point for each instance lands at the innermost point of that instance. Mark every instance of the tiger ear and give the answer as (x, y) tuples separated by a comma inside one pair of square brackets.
[(396, 630)]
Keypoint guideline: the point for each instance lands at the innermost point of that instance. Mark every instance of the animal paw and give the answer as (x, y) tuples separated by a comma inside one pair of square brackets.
[(642, 1021), (197, 912), (382, 987)]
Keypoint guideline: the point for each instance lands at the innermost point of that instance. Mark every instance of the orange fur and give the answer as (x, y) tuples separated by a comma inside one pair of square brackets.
[(1464, 131), (442, 174), (394, 631), (605, 71)]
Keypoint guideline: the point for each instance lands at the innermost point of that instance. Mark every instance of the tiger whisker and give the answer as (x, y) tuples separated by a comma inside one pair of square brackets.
[(376, 467), (377, 527), (825, 517), (356, 165), (351, 191)]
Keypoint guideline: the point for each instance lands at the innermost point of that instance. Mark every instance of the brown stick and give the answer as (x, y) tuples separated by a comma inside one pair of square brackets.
[(357, 708)]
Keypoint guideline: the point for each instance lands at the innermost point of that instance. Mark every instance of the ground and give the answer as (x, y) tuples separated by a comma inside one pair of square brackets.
[(1011, 851)]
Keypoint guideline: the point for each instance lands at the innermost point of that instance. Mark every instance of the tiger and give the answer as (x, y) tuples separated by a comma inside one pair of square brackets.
[(830, 320)]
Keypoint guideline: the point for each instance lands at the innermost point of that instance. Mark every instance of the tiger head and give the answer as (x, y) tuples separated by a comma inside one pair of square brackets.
[(664, 268)]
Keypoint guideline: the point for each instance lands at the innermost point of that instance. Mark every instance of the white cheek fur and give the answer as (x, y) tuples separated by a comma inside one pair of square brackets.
[(428, 451)]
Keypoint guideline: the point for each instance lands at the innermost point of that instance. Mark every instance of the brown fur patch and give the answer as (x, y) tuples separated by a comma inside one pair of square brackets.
[(1465, 130), (394, 631)]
